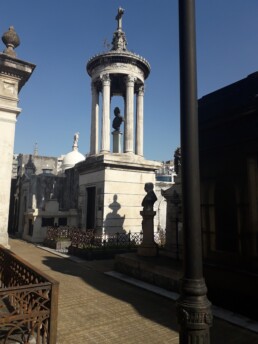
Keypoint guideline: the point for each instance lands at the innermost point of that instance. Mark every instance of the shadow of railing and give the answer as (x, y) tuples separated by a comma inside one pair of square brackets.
[(28, 302)]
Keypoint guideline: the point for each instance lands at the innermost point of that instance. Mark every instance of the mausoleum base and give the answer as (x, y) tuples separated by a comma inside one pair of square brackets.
[(113, 185)]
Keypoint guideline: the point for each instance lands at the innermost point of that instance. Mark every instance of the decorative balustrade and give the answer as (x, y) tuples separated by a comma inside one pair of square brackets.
[(28, 302)]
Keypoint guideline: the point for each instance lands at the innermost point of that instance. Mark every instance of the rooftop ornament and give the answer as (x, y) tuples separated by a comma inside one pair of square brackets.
[(118, 52), (119, 40), (11, 40)]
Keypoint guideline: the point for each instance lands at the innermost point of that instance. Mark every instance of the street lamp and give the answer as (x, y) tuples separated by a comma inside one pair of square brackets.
[(193, 308)]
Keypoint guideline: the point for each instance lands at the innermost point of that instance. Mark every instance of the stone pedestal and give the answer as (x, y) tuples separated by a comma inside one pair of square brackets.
[(148, 247), (117, 141)]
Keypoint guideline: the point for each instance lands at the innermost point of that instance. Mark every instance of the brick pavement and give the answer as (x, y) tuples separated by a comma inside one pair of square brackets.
[(97, 309)]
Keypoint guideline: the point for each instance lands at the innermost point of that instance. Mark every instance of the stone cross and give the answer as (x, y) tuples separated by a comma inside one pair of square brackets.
[(119, 18)]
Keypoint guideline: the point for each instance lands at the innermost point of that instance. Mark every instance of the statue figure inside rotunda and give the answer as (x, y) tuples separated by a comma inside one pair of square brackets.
[(117, 121)]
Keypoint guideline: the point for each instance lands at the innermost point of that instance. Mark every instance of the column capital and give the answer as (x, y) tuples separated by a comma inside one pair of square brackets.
[(141, 90), (105, 79), (130, 80)]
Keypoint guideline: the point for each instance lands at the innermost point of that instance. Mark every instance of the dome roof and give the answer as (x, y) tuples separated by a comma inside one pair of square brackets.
[(73, 157)]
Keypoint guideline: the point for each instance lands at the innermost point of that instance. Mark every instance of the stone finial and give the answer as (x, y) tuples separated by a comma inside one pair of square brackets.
[(11, 40), (119, 40)]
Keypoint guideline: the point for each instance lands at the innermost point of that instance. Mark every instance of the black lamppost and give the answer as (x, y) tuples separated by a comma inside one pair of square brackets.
[(193, 307)]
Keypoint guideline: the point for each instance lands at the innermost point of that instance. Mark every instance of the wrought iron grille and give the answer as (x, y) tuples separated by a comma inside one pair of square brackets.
[(28, 302), (89, 239)]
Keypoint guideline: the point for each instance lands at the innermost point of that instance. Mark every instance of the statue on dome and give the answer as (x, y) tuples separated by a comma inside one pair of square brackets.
[(76, 139), (117, 121)]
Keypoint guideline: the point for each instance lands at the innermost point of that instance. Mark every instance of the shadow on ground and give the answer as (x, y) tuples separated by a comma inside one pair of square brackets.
[(148, 305)]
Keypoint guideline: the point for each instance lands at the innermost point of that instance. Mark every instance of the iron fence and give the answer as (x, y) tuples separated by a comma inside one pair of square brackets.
[(83, 238), (28, 302)]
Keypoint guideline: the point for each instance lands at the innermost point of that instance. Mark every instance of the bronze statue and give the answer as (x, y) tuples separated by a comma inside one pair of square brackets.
[(150, 198), (117, 120)]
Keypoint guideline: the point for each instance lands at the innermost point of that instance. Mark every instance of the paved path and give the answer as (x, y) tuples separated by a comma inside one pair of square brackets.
[(98, 309)]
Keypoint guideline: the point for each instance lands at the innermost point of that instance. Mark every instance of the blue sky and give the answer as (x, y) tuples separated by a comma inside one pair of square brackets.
[(60, 36)]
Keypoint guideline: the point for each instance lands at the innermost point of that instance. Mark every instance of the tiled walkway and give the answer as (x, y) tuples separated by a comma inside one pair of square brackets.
[(97, 308)]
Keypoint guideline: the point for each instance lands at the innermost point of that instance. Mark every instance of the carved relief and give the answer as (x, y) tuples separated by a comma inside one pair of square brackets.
[(186, 317), (9, 88)]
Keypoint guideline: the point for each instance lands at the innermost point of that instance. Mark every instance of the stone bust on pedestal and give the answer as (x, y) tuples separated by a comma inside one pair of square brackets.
[(148, 246)]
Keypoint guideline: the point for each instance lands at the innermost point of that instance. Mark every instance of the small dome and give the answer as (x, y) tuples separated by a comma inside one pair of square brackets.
[(71, 159)]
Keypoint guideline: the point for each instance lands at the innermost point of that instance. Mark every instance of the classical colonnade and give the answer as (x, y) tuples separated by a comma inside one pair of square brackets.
[(104, 85)]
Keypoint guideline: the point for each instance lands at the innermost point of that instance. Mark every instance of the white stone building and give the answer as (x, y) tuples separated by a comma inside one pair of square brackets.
[(46, 194)]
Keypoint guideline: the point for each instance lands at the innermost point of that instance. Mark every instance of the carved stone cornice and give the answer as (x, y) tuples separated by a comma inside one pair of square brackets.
[(16, 68), (125, 57)]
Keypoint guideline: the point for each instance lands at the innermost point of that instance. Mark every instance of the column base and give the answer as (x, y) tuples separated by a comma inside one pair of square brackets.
[(194, 312)]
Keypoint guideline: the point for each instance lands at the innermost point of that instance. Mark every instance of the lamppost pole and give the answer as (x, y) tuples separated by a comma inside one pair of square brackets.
[(193, 307)]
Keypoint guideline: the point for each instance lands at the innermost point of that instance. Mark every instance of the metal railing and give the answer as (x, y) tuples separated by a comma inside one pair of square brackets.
[(28, 302), (89, 239)]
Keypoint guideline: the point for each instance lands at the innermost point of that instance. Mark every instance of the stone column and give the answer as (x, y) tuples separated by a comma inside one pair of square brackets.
[(124, 98), (139, 122), (94, 139), (105, 130), (7, 129), (129, 120), (13, 75)]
